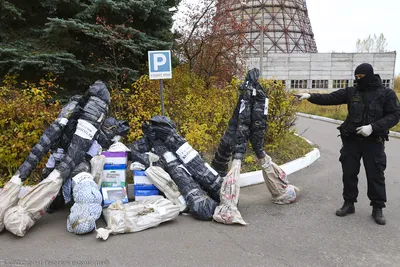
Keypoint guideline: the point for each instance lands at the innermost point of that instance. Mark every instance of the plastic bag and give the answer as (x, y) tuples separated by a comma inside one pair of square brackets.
[(201, 206), (163, 129), (49, 139), (111, 128), (248, 122)]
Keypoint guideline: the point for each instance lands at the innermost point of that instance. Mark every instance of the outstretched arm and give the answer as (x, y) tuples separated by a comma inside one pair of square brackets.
[(335, 98)]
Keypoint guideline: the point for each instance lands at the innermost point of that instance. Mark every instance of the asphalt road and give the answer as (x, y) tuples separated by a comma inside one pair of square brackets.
[(306, 233)]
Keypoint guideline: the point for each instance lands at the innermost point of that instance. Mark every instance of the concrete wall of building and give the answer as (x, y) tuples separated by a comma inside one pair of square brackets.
[(315, 70)]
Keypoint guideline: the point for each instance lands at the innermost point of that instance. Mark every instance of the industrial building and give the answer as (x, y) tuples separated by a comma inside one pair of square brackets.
[(322, 71), (280, 42)]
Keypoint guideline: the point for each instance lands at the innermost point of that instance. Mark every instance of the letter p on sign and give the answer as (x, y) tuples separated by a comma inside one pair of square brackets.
[(160, 65)]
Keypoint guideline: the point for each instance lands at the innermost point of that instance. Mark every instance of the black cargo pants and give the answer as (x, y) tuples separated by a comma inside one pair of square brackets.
[(372, 151)]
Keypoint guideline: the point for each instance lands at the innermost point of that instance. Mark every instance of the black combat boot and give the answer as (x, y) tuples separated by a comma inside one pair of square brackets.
[(348, 208), (377, 214)]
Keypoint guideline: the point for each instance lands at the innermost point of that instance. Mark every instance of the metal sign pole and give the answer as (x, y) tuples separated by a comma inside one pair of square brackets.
[(160, 68), (162, 96)]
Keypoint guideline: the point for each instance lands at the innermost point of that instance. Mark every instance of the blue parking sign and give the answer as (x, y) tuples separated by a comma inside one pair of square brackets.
[(160, 65)]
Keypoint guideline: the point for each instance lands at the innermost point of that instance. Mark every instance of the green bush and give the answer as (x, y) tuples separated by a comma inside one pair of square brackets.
[(396, 86), (24, 115), (201, 115)]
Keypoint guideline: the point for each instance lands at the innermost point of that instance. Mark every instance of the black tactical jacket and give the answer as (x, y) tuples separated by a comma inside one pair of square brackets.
[(375, 105)]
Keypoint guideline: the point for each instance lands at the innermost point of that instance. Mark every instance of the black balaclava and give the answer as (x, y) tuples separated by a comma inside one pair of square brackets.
[(366, 69)]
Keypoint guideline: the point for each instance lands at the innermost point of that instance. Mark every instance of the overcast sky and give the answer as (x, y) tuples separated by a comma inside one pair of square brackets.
[(338, 24)]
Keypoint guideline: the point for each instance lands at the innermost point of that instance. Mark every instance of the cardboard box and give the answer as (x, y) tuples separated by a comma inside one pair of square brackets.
[(113, 194), (145, 187), (116, 158), (114, 176), (140, 178), (144, 193)]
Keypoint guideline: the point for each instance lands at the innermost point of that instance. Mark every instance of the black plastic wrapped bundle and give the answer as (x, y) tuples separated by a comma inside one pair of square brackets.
[(248, 122), (48, 140), (164, 129), (111, 128), (201, 206), (69, 129), (93, 115), (243, 126), (54, 159), (259, 117), (224, 151), (138, 150)]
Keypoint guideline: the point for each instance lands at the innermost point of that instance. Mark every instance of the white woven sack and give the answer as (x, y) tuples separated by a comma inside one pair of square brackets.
[(227, 211), (162, 180), (277, 183), (9, 197), (136, 216), (19, 219)]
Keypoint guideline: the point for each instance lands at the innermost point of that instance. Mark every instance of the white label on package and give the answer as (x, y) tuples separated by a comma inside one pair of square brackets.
[(242, 106), (211, 169), (182, 200), (169, 157), (85, 130), (186, 153), (266, 106)]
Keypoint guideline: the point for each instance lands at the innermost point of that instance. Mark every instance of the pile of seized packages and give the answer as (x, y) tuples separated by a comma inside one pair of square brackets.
[(87, 167)]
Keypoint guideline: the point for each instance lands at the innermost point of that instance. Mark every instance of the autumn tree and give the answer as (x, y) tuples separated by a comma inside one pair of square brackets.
[(372, 44), (210, 39)]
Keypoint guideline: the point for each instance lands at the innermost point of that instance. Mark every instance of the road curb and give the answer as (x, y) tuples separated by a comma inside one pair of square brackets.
[(256, 177), (338, 122)]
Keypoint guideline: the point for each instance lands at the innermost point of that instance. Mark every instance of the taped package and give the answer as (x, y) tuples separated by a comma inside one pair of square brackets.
[(277, 183), (9, 197), (201, 206), (162, 180), (227, 212), (136, 216), (20, 218)]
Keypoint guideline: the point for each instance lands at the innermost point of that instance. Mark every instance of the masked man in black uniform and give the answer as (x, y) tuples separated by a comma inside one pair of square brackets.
[(372, 111)]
